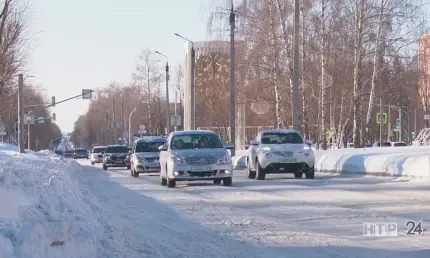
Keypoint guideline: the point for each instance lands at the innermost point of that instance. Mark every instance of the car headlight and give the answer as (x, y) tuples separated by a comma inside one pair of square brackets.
[(268, 155), (127, 157), (141, 160), (107, 156), (178, 160), (226, 159)]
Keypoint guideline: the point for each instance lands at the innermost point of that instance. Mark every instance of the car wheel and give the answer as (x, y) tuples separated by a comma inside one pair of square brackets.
[(92, 163), (170, 183), (251, 174), (260, 173), (217, 181), (163, 181), (298, 175), (227, 181), (104, 167), (310, 174), (128, 167)]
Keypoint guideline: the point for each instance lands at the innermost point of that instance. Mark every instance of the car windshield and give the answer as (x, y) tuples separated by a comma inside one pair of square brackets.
[(98, 150), (196, 141), (116, 149), (81, 151), (281, 138), (148, 146), (400, 144)]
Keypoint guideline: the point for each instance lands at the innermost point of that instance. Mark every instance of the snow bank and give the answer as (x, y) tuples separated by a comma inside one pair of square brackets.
[(396, 161), (410, 161), (43, 213)]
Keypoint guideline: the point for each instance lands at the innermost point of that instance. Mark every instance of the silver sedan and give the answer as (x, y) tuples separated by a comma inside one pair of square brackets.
[(193, 156)]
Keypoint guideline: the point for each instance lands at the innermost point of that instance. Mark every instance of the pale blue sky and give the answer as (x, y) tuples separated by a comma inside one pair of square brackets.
[(89, 43)]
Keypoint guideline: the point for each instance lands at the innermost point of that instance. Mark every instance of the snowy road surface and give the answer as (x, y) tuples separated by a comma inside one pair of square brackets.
[(278, 217)]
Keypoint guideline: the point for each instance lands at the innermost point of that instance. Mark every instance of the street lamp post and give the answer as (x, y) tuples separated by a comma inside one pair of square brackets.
[(167, 94), (192, 88), (129, 126), (232, 85)]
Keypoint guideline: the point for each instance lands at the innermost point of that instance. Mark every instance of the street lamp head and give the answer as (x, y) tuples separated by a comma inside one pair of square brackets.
[(158, 52), (176, 34)]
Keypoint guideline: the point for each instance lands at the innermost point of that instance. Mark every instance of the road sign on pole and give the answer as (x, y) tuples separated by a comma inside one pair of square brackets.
[(87, 94), (384, 118), (426, 117)]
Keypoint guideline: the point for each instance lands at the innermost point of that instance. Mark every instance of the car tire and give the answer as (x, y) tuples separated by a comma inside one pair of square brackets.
[(170, 183), (260, 173), (105, 167), (310, 174), (251, 174), (227, 181), (217, 181), (163, 181), (298, 175), (92, 163)]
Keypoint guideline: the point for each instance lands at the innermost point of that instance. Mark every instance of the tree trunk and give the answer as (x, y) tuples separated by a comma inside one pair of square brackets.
[(376, 60), (358, 58), (323, 77)]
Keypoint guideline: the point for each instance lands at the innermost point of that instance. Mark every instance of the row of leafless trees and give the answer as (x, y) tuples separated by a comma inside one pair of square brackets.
[(354, 55), (13, 41), (108, 117)]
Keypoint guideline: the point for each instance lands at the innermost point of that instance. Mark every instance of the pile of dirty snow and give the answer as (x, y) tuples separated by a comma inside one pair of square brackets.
[(43, 213)]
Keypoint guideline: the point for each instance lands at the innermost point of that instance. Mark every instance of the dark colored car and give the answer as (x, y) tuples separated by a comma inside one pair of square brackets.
[(80, 154), (68, 154), (58, 152), (116, 156)]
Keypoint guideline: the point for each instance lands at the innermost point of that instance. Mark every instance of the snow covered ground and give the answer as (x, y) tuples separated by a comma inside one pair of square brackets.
[(278, 217), (53, 207), (396, 161)]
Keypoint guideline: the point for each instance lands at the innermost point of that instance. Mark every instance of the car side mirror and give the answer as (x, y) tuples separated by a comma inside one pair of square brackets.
[(162, 148), (253, 142), (309, 142)]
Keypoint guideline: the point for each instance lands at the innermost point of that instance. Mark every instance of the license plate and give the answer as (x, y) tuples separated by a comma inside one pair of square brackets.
[(289, 160), (200, 169), (118, 162)]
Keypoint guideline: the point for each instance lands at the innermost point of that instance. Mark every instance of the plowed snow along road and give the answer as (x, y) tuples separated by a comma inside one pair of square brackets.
[(278, 217)]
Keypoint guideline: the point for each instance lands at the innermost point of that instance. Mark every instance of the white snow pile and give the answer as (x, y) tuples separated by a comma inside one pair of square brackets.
[(385, 161), (43, 213)]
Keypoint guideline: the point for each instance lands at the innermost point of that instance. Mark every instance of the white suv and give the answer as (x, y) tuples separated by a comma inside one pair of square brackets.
[(97, 154), (280, 151)]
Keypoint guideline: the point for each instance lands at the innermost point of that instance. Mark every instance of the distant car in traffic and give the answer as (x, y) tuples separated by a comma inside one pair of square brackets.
[(68, 154), (116, 156), (80, 153), (145, 155), (195, 155), (280, 151), (97, 154)]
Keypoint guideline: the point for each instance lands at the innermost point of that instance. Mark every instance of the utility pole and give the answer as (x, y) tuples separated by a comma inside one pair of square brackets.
[(28, 131), (400, 125), (9, 125), (296, 72), (232, 85), (167, 100), (193, 87), (415, 121), (122, 117), (21, 113), (381, 117), (113, 121), (176, 109)]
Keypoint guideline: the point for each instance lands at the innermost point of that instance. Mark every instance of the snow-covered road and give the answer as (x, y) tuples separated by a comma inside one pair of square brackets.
[(278, 217)]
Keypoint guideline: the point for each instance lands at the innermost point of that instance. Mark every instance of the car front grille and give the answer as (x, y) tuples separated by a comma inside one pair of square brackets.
[(202, 173), (201, 161), (284, 153), (150, 159)]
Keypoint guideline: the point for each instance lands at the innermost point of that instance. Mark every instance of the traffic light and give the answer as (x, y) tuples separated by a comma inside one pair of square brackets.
[(413, 135), (54, 117), (53, 101)]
